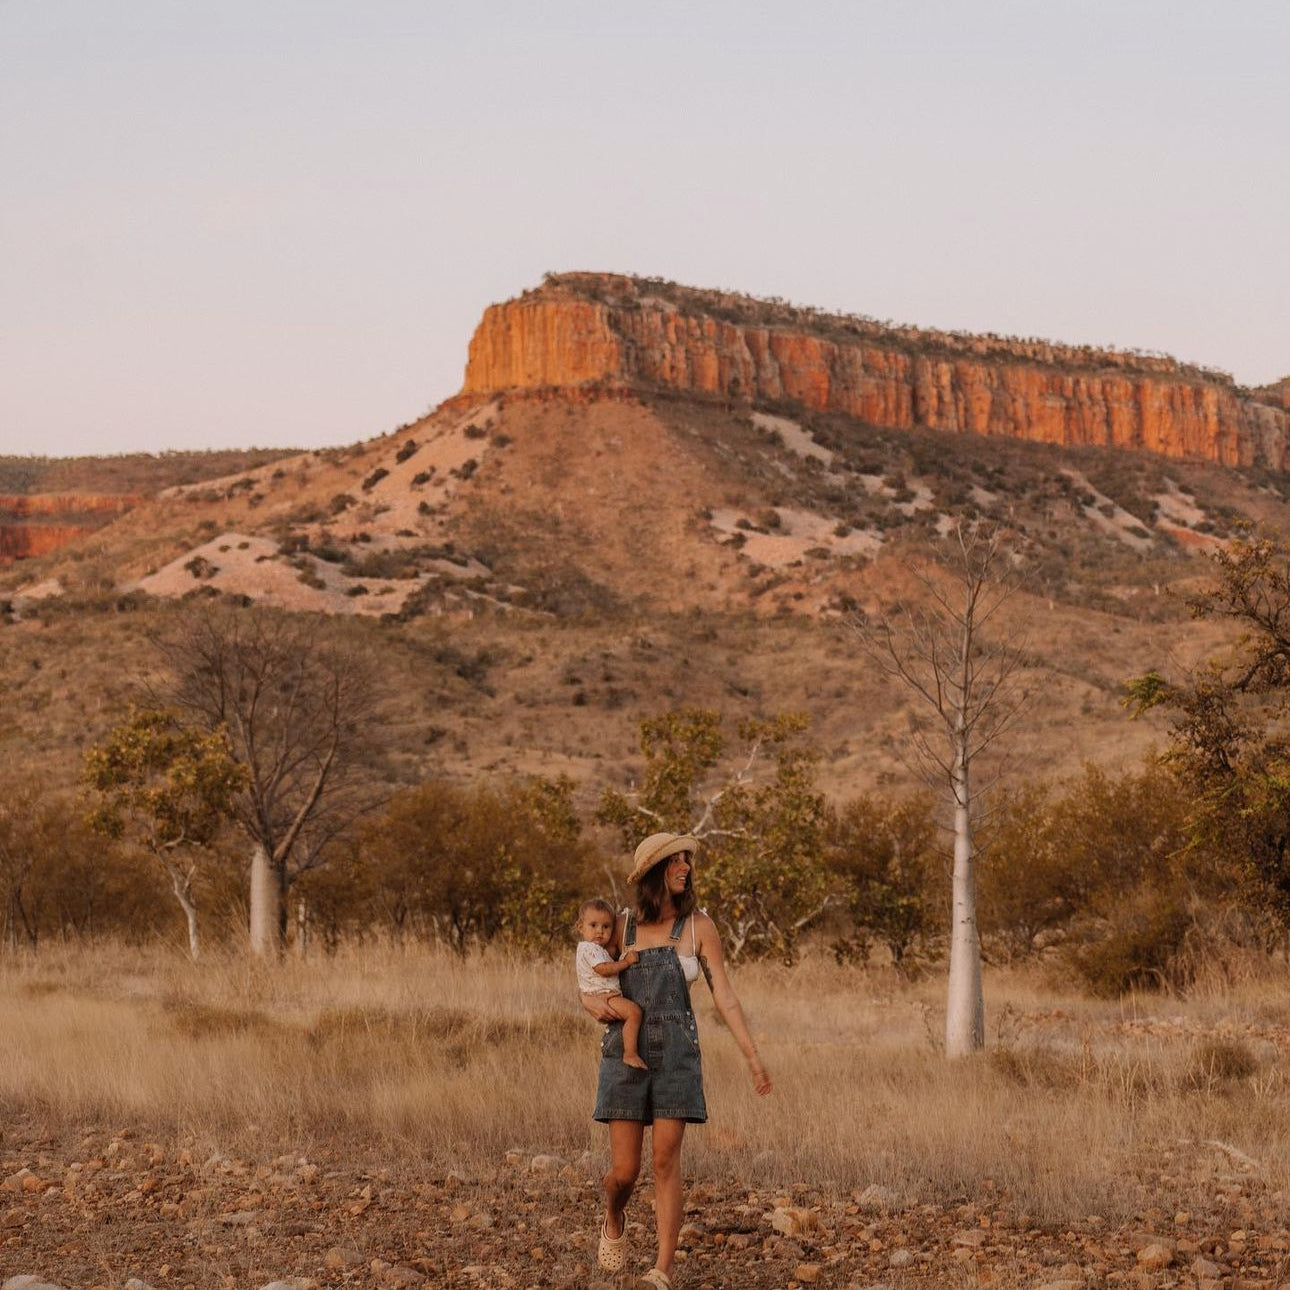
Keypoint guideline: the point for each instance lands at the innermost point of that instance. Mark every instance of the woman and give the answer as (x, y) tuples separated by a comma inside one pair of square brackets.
[(674, 943)]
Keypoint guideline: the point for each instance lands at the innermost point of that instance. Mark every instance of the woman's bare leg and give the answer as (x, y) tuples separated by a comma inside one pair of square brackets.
[(667, 1137), (625, 1138)]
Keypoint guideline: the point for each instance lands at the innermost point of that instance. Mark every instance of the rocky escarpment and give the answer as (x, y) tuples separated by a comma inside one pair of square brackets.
[(603, 332), (34, 524)]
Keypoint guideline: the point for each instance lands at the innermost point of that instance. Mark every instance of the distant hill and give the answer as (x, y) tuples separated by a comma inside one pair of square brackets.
[(604, 524), (46, 502)]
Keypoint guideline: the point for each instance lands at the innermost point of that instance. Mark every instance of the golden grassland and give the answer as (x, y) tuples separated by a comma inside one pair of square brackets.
[(1077, 1107)]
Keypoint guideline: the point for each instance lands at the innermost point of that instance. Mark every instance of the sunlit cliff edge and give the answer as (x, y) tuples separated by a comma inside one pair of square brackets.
[(607, 333)]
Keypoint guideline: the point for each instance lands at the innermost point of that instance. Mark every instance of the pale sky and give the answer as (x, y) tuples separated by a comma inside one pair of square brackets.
[(262, 222)]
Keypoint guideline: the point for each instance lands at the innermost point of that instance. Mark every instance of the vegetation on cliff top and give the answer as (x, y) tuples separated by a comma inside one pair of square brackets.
[(630, 290)]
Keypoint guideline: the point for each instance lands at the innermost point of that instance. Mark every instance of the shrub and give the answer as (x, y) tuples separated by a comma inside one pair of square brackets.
[(473, 431), (341, 502), (406, 451), (374, 478), (201, 568), (422, 477), (1216, 1061), (1136, 947)]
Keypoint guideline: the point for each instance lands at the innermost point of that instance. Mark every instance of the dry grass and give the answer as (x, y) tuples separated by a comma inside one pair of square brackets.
[(1075, 1108)]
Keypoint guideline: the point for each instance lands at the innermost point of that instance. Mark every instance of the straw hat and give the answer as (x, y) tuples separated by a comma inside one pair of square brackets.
[(659, 846)]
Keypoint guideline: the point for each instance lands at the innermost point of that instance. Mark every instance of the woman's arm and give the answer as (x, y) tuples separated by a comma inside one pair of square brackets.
[(723, 993)]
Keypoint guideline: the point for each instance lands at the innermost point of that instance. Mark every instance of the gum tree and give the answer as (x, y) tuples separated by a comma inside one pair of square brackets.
[(168, 788), (753, 804)]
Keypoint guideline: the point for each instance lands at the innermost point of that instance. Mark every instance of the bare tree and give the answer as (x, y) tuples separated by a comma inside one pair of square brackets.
[(960, 665), (301, 715)]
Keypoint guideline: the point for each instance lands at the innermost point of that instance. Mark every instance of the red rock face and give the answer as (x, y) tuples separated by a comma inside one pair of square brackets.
[(34, 524), (584, 330)]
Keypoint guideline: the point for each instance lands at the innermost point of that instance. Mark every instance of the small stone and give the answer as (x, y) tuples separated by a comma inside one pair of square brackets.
[(1155, 1256), (28, 1282), (402, 1275), (807, 1273), (972, 1239), (135, 1283), (875, 1198), (459, 1213), (1061, 1285), (516, 1158), (272, 1285), (901, 1258), (691, 1233), (341, 1257), (481, 1220), (792, 1221), (546, 1164), (33, 1183), (239, 1217), (1182, 1218), (1205, 1270)]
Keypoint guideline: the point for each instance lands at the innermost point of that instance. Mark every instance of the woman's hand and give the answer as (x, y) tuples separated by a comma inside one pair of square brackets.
[(630, 958), (598, 1006), (760, 1077)]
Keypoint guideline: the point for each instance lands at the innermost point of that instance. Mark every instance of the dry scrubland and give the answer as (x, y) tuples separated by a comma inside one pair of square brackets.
[(417, 1058)]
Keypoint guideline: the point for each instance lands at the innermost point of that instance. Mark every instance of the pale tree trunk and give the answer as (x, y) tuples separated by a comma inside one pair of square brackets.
[(264, 904), (965, 1000), (182, 885), (302, 926)]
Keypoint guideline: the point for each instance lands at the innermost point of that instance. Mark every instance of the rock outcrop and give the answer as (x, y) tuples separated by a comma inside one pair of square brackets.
[(602, 333), (34, 524)]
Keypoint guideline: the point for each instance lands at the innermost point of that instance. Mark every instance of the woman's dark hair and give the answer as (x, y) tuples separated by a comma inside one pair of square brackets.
[(651, 890)]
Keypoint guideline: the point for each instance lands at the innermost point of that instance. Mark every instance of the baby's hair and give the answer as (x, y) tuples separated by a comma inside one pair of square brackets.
[(596, 902)]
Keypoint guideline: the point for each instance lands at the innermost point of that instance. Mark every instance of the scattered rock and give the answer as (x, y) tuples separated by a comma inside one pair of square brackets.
[(807, 1273), (135, 1283), (1155, 1256), (28, 1282), (341, 1257), (901, 1258), (973, 1238), (402, 1275), (875, 1198), (792, 1221), (1205, 1270), (546, 1164), (239, 1217)]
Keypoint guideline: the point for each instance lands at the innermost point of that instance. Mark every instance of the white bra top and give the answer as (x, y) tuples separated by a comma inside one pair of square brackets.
[(689, 962)]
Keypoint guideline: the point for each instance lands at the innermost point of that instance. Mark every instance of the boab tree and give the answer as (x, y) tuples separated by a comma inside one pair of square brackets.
[(168, 788), (952, 654), (301, 715)]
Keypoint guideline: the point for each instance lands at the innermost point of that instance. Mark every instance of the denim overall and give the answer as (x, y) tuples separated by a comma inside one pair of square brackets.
[(672, 1088)]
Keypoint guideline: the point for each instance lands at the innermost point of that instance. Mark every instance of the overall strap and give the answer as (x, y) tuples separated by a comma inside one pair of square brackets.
[(629, 936), (677, 928)]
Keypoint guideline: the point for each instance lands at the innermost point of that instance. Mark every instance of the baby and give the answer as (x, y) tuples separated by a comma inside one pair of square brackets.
[(596, 971)]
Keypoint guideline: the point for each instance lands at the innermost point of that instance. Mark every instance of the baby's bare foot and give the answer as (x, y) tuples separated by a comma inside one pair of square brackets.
[(635, 1061)]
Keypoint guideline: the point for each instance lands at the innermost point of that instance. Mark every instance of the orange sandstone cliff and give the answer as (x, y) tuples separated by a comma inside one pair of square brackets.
[(33, 524), (604, 332)]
